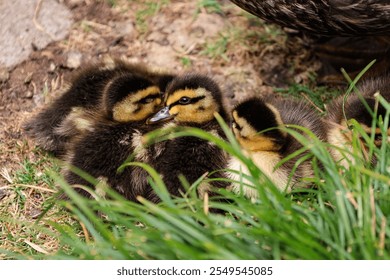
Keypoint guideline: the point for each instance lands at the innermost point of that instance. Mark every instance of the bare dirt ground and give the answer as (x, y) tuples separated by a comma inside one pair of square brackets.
[(243, 54)]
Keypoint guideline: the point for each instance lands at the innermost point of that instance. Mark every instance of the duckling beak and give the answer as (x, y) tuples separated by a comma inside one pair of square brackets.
[(162, 115)]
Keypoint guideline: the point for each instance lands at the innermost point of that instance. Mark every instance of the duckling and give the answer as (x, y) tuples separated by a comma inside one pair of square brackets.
[(340, 112), (257, 125), (191, 100), (51, 127), (110, 140)]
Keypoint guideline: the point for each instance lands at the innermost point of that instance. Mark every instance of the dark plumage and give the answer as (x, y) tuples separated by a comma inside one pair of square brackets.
[(192, 100), (112, 139), (50, 127), (345, 34), (324, 17), (256, 125), (101, 152), (354, 108)]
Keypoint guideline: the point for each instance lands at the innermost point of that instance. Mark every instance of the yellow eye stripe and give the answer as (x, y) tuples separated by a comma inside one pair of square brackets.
[(250, 139), (200, 111), (129, 108), (145, 92), (179, 94)]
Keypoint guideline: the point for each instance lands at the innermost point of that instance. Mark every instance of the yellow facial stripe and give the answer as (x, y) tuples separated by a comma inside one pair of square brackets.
[(258, 143), (174, 110), (201, 111), (246, 129), (129, 109), (250, 139), (146, 92), (175, 96)]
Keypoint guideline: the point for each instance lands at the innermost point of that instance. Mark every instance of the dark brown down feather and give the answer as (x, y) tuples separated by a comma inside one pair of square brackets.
[(324, 17)]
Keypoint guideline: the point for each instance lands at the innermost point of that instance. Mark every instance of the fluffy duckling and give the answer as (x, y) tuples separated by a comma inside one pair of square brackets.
[(192, 100), (257, 125), (51, 127), (340, 112), (109, 141)]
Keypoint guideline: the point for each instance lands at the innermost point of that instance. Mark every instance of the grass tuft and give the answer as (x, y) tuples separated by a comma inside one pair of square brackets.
[(211, 6), (149, 9)]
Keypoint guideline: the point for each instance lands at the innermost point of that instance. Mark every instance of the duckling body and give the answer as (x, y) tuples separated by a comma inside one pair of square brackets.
[(101, 152), (255, 125), (340, 136), (51, 127), (110, 140), (192, 100)]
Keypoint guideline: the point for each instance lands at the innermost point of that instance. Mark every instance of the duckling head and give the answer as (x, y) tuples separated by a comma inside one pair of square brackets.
[(130, 97), (255, 124), (358, 111), (191, 98)]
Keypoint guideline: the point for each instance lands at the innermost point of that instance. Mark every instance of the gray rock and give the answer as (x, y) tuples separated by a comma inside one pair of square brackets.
[(30, 24)]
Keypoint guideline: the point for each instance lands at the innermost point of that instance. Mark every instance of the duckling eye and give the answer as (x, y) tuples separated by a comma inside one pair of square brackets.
[(184, 100), (236, 126), (147, 100)]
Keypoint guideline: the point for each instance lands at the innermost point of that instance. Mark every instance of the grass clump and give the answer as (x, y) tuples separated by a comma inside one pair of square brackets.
[(238, 42), (211, 6), (217, 48), (149, 9)]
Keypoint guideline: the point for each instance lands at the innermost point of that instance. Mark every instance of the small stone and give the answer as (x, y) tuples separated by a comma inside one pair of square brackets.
[(124, 28), (197, 32), (52, 67), (35, 213), (29, 94), (73, 60), (28, 78), (4, 75), (158, 37)]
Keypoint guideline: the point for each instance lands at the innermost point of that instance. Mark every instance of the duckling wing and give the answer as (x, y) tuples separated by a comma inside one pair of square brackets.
[(191, 157), (100, 154)]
